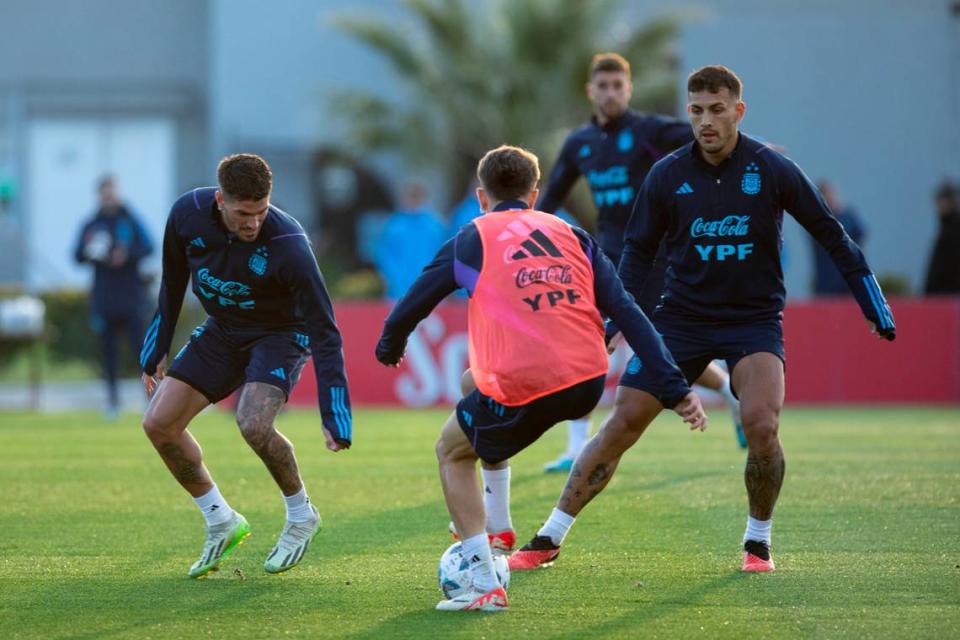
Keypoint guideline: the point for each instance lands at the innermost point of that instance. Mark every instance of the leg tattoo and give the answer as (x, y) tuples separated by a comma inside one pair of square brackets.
[(764, 477), (579, 491), (259, 405), (187, 471)]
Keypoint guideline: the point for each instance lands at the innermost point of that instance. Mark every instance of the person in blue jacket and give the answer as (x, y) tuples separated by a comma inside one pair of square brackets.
[(410, 237), (114, 242)]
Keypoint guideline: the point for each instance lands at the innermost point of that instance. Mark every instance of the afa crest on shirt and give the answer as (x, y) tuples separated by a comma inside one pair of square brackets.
[(258, 261), (625, 141), (751, 180)]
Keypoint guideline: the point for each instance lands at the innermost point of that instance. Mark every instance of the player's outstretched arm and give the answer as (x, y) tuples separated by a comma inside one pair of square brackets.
[(173, 286), (302, 276), (802, 199), (562, 178), (436, 282)]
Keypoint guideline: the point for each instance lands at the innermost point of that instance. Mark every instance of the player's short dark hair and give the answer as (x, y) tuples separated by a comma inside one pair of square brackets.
[(608, 62), (714, 77), (244, 176), (508, 173), (946, 190)]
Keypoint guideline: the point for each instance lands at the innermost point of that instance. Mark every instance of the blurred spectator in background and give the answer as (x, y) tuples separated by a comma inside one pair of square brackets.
[(827, 280), (943, 273), (114, 242), (410, 238), (465, 210)]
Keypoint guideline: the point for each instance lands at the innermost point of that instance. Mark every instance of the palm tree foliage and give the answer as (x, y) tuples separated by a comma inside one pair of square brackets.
[(480, 74)]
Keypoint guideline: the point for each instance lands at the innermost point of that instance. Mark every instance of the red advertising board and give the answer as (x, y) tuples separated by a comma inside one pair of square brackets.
[(831, 356)]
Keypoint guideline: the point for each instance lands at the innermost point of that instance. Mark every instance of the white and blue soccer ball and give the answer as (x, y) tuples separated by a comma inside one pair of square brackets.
[(453, 574)]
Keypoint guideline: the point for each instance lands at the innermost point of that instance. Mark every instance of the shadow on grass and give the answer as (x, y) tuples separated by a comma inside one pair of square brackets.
[(436, 624), (629, 624), (645, 612), (139, 608)]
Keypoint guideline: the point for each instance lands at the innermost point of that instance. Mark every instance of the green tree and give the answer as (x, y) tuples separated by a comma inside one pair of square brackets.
[(478, 75)]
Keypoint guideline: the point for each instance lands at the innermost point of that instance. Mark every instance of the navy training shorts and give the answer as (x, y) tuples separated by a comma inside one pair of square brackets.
[(217, 360), (498, 432), (695, 343)]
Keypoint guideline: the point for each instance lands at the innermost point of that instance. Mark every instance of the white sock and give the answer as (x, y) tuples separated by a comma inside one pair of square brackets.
[(298, 506), (496, 499), (476, 551), (557, 526), (578, 431), (758, 530), (213, 507)]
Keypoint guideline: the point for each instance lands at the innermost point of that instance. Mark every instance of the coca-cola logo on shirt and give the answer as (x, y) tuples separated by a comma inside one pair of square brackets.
[(554, 274), (227, 288), (727, 227)]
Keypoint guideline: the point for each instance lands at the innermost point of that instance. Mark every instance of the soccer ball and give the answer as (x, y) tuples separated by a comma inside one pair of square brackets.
[(453, 574)]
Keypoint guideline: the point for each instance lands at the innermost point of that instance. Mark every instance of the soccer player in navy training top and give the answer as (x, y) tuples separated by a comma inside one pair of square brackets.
[(718, 202), (537, 287), (614, 151), (252, 268)]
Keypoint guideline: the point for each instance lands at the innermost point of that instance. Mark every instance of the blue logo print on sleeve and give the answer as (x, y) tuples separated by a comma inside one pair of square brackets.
[(258, 261), (634, 366), (584, 151), (751, 180), (279, 373)]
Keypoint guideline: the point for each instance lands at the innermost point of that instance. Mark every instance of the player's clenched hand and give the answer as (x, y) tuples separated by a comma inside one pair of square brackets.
[(150, 382), (692, 412), (332, 443), (888, 334), (387, 356)]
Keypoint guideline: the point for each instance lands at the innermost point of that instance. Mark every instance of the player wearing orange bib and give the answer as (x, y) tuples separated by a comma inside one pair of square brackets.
[(537, 290)]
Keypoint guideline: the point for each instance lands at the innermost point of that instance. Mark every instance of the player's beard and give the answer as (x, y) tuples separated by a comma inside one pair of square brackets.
[(613, 110)]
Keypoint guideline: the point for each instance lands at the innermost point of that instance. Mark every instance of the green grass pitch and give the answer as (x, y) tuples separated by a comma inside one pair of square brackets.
[(97, 537)]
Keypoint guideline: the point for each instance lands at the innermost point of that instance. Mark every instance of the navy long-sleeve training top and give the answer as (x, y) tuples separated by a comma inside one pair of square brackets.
[(269, 285), (723, 231), (457, 264), (614, 159)]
